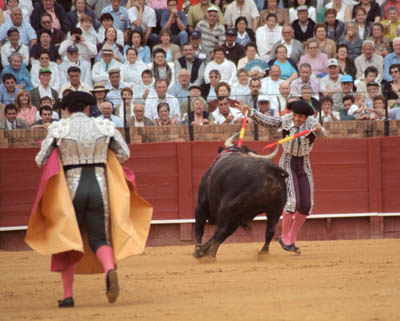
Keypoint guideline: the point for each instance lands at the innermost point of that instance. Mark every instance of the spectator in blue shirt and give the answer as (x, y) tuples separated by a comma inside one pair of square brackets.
[(175, 21), (391, 59), (106, 113), (26, 32), (8, 89), (19, 70), (120, 15)]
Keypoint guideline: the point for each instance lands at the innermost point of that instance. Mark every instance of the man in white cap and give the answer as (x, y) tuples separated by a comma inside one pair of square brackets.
[(264, 106), (107, 62), (114, 95), (73, 58), (212, 32), (330, 84)]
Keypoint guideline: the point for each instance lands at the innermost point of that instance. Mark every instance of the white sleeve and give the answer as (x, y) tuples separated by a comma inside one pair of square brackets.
[(352, 109), (4, 58), (132, 14)]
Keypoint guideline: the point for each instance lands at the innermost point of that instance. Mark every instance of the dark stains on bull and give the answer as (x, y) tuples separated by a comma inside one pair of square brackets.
[(236, 188)]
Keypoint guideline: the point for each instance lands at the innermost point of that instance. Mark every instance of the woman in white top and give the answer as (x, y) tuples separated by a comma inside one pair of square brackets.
[(144, 88), (268, 35), (312, 14), (343, 10), (241, 89), (133, 67)]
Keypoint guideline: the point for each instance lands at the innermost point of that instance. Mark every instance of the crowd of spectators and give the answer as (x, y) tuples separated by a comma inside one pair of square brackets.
[(172, 62)]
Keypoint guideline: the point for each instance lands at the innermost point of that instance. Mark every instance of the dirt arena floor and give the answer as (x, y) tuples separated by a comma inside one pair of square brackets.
[(331, 280)]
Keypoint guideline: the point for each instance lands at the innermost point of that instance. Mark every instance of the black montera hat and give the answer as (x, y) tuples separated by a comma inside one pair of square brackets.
[(76, 98), (301, 107)]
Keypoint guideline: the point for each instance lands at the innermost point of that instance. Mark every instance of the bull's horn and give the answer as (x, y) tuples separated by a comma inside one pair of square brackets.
[(228, 142), (270, 156)]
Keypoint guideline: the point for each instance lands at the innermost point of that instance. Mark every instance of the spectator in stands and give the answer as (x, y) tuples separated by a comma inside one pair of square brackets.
[(371, 8), (212, 32), (80, 10), (98, 6), (209, 89), (46, 119), (144, 17), (11, 4), (270, 85), (307, 95), (60, 18), (391, 23), (279, 102), (87, 50), (352, 40), (173, 52), (44, 89), (378, 112), (391, 89), (12, 122), (45, 44), (13, 45), (18, 68), (226, 67), (159, 6), (348, 101), (367, 59), (88, 31), (198, 13), (347, 86), (199, 114), (163, 118), (346, 65), (26, 110), (370, 74), (264, 107), (268, 35), (372, 91), (241, 88), (114, 95), (326, 45), (146, 87), (110, 39), (225, 114), (394, 113), (8, 89), (305, 79), (135, 40), (317, 60), (127, 105), (133, 67), (222, 89), (161, 87), (359, 110), (193, 64), (258, 68), (160, 68), (336, 28), (363, 28), (242, 8), (303, 26), (180, 89), (26, 32), (252, 98), (233, 51), (100, 92), (391, 59), (294, 10), (175, 22), (342, 8), (120, 15), (46, 23), (272, 7), (107, 62), (139, 119), (287, 66), (106, 113), (107, 21), (74, 83), (245, 35), (330, 84), (73, 59), (199, 51), (294, 47), (194, 91), (381, 44), (327, 114)]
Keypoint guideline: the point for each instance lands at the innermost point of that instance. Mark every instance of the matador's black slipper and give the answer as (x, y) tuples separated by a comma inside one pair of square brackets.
[(112, 286), (66, 303)]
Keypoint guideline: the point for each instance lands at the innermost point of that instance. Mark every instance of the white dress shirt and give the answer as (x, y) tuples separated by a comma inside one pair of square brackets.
[(266, 38), (150, 107), (220, 119), (227, 69), (100, 70)]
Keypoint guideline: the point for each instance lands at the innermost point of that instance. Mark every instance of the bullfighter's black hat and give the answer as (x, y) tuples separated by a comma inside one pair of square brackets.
[(77, 99), (301, 107)]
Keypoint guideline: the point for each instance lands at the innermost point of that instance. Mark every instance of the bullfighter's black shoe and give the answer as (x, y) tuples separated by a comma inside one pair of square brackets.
[(66, 303), (112, 286), (290, 248)]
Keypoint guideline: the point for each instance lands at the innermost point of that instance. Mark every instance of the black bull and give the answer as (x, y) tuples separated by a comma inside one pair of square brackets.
[(236, 188)]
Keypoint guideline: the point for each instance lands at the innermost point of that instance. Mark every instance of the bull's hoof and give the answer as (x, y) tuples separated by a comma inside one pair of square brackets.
[(207, 259), (262, 255)]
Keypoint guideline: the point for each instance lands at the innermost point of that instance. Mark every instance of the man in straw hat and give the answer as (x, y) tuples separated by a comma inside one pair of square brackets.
[(87, 214), (295, 160)]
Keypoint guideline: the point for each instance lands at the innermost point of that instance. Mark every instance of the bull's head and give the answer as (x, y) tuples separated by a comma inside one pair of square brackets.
[(229, 144)]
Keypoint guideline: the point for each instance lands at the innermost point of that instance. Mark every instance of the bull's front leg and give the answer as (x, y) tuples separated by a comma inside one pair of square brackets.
[(199, 232)]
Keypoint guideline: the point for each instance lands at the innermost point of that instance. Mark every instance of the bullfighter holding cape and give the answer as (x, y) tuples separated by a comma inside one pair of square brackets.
[(87, 214)]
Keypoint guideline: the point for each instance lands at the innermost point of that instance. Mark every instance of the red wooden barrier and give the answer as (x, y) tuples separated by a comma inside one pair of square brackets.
[(351, 176)]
